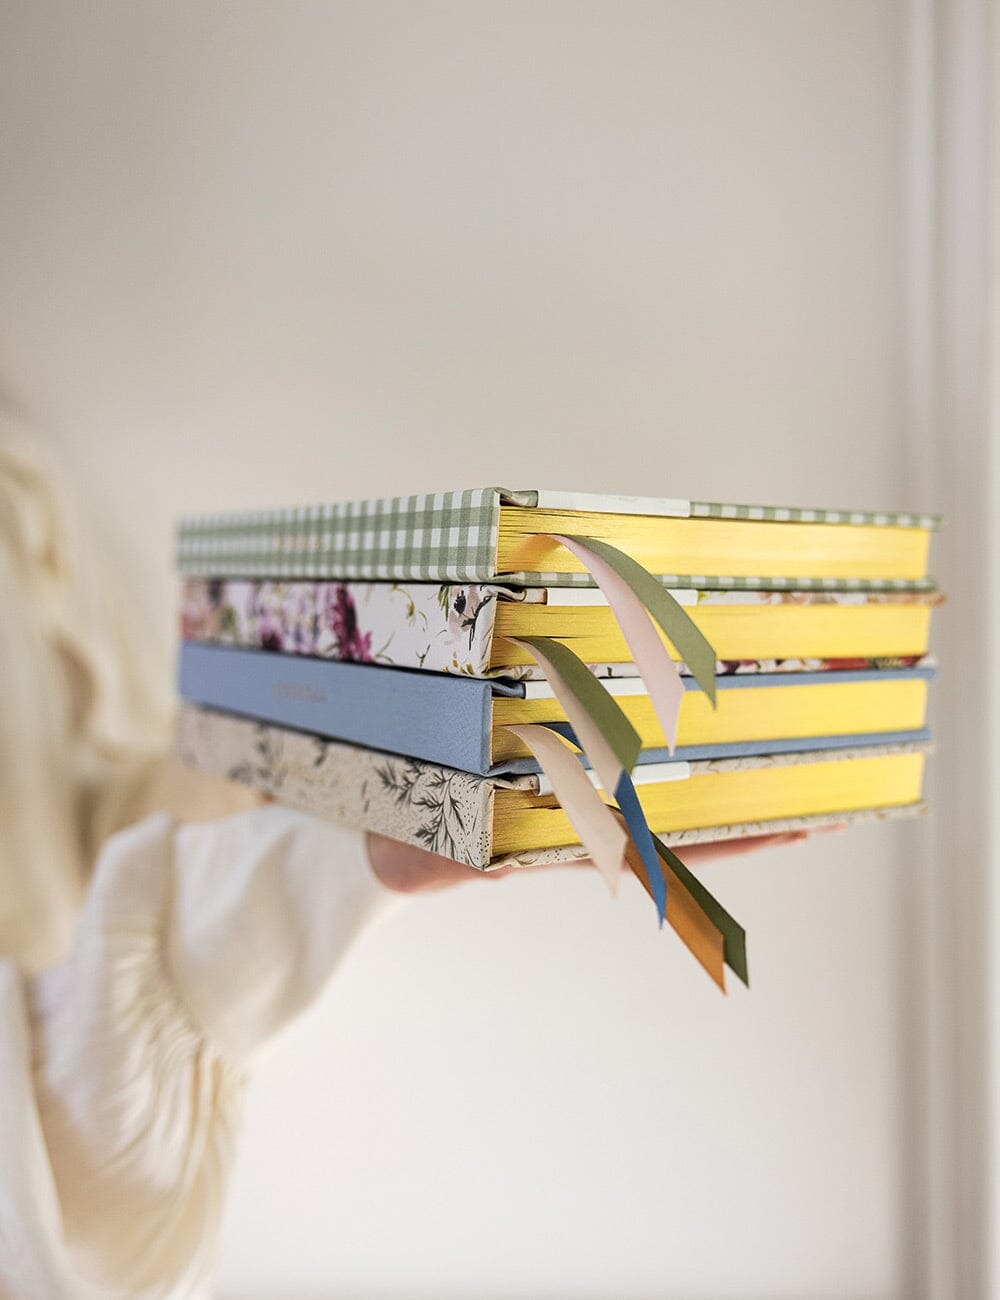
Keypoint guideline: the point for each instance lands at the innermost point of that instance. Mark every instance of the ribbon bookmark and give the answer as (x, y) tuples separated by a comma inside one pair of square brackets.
[(615, 836), (701, 938), (617, 574), (656, 668), (600, 831), (681, 880), (733, 934), (606, 736), (635, 819)]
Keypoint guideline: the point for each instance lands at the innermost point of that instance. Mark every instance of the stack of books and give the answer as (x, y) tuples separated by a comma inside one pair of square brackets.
[(520, 677)]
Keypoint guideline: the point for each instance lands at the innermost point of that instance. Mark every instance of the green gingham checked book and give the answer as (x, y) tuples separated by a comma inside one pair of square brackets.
[(494, 535)]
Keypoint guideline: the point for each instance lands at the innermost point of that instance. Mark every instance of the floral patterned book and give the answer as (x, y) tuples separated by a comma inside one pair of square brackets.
[(477, 820), (464, 628), (483, 535)]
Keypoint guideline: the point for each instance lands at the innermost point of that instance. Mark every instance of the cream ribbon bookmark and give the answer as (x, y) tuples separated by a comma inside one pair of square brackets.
[(657, 669), (600, 831), (606, 736)]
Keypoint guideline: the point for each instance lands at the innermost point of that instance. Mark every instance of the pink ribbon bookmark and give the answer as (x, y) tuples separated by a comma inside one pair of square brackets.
[(657, 669)]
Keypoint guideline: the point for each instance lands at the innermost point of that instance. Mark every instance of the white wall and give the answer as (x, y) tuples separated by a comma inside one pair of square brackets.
[(268, 253)]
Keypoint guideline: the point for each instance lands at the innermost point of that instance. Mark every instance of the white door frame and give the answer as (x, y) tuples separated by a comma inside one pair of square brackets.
[(948, 900)]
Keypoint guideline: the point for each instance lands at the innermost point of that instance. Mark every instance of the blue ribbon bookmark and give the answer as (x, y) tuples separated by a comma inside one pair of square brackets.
[(654, 853), (635, 819)]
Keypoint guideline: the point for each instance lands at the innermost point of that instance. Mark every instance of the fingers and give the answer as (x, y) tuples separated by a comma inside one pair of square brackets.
[(410, 870)]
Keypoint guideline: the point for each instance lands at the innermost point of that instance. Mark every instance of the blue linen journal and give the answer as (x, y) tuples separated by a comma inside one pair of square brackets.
[(449, 719)]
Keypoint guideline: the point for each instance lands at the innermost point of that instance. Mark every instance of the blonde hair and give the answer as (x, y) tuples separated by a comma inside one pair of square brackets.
[(82, 717)]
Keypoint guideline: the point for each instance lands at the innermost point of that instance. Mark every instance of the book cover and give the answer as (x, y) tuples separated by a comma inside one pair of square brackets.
[(462, 628), (435, 807), (482, 534), (453, 720)]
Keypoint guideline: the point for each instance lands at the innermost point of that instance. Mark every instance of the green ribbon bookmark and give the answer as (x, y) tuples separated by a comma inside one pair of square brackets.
[(734, 937), (689, 642), (603, 709)]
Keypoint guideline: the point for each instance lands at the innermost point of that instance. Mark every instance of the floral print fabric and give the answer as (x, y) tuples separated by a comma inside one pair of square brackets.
[(434, 807), (446, 628)]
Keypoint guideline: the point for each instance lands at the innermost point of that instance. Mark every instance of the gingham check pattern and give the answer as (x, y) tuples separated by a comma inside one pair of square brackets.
[(797, 515), (452, 537), (448, 537), (707, 582)]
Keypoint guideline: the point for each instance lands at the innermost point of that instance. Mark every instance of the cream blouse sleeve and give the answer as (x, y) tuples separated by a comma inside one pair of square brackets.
[(123, 1070)]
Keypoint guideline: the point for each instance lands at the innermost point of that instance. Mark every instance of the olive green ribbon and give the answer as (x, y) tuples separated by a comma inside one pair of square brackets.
[(604, 712), (734, 937), (680, 629)]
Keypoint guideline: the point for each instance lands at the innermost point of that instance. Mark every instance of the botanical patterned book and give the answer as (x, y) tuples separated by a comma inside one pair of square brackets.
[(487, 822), (465, 628), (483, 535)]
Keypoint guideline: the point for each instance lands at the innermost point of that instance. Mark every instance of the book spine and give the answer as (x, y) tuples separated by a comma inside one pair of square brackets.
[(445, 720), (433, 807), (440, 627), (445, 537)]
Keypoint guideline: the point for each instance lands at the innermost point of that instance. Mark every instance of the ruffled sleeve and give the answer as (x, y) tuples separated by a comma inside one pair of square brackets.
[(265, 905), (196, 945)]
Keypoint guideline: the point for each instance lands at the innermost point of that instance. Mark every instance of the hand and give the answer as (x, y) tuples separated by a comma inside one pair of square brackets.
[(409, 870)]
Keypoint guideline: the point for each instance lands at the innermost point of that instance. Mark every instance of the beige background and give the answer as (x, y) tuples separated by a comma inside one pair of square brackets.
[(265, 253)]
